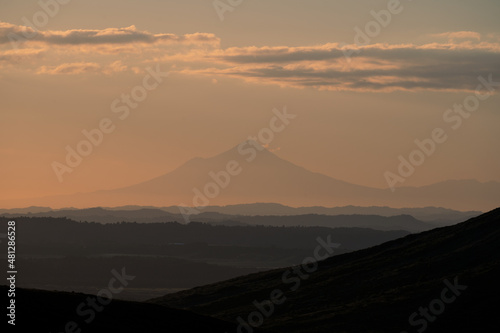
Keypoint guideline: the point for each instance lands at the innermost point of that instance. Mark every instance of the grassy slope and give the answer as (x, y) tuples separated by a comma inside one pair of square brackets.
[(374, 290)]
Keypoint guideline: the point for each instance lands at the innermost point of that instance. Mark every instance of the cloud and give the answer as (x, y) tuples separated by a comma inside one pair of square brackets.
[(70, 68), (458, 35), (377, 67), (79, 51), (10, 33), (452, 61), (115, 67), (83, 68), (333, 51), (16, 56)]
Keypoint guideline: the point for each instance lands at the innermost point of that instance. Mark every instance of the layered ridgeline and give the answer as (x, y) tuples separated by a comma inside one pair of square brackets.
[(137, 213), (269, 214), (154, 215), (443, 280), (166, 256), (247, 174)]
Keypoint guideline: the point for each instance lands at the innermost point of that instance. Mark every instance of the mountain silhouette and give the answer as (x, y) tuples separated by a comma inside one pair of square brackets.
[(262, 176)]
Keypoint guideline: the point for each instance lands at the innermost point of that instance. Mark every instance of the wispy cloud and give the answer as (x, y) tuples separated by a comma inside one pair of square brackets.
[(70, 68), (82, 68), (458, 35), (97, 37), (16, 56)]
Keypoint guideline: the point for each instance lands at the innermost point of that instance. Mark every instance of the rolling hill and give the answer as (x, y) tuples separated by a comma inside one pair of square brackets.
[(380, 289), (47, 311)]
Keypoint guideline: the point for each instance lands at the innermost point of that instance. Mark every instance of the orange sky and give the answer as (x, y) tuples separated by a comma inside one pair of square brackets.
[(355, 115)]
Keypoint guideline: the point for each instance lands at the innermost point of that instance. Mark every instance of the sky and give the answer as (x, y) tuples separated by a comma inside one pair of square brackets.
[(365, 79)]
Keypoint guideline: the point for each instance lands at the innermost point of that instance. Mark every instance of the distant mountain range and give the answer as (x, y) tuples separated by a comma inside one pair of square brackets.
[(381, 218), (424, 214), (153, 215), (453, 271), (230, 178)]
